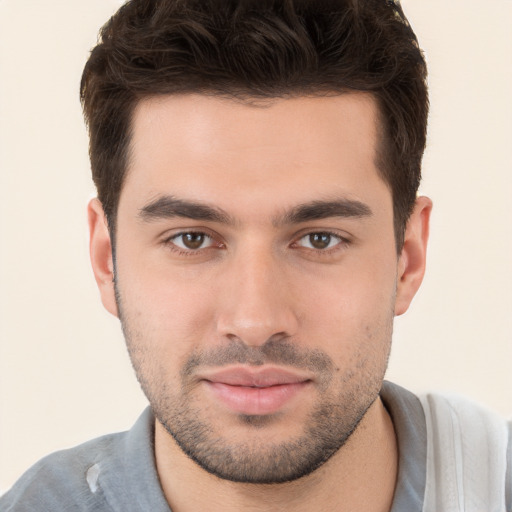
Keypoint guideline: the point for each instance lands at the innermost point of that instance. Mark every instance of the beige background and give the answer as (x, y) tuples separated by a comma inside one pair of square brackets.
[(64, 374)]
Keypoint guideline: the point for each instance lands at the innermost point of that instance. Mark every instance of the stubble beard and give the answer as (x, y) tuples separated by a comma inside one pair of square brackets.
[(328, 428), (343, 398)]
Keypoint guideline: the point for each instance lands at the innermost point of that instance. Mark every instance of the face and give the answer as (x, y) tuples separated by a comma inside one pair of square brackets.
[(256, 277)]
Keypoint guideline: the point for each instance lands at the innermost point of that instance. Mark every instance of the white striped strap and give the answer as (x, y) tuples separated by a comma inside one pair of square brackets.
[(466, 456)]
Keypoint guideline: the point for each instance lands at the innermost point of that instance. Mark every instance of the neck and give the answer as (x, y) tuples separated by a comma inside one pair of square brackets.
[(360, 476)]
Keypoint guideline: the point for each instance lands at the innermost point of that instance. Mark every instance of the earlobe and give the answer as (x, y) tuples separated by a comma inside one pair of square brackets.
[(100, 249), (411, 264)]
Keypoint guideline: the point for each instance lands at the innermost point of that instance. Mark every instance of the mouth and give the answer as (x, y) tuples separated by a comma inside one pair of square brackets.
[(261, 391)]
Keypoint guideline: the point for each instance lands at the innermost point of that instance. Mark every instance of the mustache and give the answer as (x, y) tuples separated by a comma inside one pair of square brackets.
[(280, 352)]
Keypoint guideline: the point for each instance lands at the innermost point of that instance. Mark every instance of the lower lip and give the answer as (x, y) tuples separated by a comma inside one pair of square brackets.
[(256, 401)]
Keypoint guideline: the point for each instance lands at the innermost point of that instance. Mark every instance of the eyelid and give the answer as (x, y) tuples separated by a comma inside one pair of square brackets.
[(168, 241), (207, 239), (344, 240)]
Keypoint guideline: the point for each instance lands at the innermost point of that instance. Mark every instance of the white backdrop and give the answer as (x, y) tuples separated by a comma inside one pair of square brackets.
[(64, 374)]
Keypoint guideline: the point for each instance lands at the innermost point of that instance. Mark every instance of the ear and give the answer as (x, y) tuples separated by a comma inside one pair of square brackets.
[(100, 249), (411, 264)]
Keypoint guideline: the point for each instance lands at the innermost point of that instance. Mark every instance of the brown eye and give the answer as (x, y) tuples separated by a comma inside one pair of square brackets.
[(192, 241), (320, 240)]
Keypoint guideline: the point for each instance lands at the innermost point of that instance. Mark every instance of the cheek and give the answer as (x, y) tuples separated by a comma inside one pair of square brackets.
[(352, 309), (164, 308)]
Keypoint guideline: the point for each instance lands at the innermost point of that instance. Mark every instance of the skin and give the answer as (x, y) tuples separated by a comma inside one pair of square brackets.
[(258, 284)]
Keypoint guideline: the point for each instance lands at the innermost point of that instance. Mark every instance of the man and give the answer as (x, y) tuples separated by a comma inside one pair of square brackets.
[(256, 230)]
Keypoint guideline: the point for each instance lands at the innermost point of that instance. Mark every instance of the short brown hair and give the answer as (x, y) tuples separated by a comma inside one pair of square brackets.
[(255, 49)]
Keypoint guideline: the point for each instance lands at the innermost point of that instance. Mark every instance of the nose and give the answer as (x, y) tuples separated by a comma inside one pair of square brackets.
[(257, 300)]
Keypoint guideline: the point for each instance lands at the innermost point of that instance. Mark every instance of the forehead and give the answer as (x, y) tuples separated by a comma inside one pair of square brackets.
[(207, 123), (203, 145)]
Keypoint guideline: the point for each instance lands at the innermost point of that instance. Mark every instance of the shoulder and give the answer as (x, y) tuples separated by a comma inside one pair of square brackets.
[(113, 472), (64, 480)]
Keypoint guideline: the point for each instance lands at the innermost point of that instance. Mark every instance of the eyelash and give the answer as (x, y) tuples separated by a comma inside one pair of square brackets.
[(169, 242), (342, 242)]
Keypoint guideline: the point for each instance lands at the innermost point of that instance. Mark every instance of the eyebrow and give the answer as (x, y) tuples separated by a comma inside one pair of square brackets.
[(317, 210), (167, 207)]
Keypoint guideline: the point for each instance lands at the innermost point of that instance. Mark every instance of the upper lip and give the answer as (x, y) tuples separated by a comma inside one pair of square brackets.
[(255, 377)]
